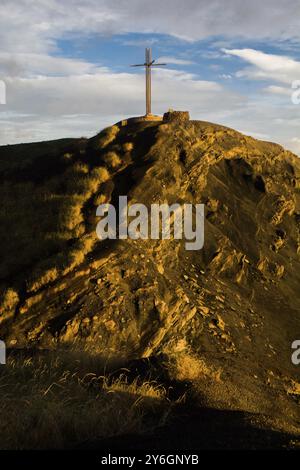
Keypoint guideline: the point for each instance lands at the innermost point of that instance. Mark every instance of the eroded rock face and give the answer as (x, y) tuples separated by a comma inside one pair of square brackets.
[(235, 302)]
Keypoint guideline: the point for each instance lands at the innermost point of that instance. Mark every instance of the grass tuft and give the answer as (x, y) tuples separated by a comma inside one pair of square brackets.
[(59, 401)]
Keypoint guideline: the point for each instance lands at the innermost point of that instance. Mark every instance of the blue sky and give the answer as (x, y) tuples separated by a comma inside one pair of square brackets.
[(66, 65)]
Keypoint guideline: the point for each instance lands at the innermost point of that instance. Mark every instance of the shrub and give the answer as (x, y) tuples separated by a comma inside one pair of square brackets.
[(70, 215), (101, 174), (42, 278), (80, 167), (99, 199), (128, 146), (79, 230), (186, 366), (112, 159), (107, 136), (9, 301), (77, 254), (91, 185), (67, 156)]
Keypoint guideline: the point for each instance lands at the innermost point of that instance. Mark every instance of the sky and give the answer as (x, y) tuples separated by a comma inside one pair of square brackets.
[(66, 65)]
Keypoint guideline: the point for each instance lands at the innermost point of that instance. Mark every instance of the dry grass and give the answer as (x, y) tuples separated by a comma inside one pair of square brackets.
[(47, 196), (59, 401), (77, 254), (99, 199), (128, 146), (186, 366), (41, 220), (112, 160), (8, 302), (101, 174), (42, 278), (107, 136)]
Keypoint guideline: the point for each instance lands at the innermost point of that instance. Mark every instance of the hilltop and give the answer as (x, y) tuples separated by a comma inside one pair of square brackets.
[(217, 323)]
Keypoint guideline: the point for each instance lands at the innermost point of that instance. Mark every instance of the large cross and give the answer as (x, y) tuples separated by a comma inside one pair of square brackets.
[(149, 63)]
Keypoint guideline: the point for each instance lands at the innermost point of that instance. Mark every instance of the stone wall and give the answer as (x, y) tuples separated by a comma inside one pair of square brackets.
[(177, 116)]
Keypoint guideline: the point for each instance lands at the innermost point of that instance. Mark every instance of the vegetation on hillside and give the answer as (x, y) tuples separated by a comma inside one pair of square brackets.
[(220, 320)]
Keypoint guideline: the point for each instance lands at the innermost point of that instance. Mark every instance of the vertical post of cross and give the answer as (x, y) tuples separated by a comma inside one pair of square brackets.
[(148, 62)]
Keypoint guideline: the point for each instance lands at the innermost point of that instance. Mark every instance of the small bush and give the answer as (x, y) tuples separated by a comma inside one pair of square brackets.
[(70, 215), (77, 254), (80, 167), (112, 160), (101, 174), (188, 367), (67, 157), (99, 199), (8, 302), (107, 136), (128, 146), (79, 230), (42, 278)]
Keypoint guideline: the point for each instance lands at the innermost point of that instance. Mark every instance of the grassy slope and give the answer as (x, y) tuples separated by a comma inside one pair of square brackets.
[(227, 313)]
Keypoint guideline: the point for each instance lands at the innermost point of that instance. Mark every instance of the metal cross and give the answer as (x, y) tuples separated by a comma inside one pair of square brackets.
[(149, 63)]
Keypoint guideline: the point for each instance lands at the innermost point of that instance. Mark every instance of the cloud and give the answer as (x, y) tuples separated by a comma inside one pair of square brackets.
[(33, 64), (267, 66), (268, 120), (35, 25), (296, 145), (104, 92), (51, 106), (281, 115), (145, 42), (174, 60), (50, 96), (225, 76), (278, 90)]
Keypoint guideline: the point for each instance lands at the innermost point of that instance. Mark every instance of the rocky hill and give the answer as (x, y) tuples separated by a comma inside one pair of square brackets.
[(226, 315)]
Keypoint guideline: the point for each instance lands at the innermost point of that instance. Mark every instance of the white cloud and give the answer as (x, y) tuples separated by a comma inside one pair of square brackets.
[(267, 66), (52, 97), (33, 64), (296, 145), (174, 60), (278, 90), (34, 25), (225, 76), (79, 103)]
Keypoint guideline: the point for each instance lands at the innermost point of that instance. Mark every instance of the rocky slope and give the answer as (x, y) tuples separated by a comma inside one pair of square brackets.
[(234, 304)]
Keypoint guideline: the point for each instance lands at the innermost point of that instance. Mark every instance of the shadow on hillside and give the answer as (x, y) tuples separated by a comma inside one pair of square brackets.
[(177, 424), (195, 429)]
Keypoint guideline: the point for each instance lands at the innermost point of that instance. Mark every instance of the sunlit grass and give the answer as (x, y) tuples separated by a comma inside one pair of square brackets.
[(61, 401)]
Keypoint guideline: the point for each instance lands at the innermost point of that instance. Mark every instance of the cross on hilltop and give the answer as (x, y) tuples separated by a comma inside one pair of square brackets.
[(149, 63)]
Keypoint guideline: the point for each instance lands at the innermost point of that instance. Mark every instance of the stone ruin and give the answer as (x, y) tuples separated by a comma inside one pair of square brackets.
[(176, 116)]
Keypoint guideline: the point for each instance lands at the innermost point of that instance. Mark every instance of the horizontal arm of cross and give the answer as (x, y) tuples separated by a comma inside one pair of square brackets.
[(147, 65)]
